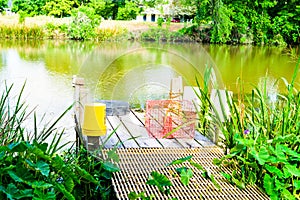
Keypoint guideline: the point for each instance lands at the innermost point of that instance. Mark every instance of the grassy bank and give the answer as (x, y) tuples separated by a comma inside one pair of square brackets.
[(43, 27)]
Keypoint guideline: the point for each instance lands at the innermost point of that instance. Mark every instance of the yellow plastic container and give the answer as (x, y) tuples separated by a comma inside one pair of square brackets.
[(94, 119)]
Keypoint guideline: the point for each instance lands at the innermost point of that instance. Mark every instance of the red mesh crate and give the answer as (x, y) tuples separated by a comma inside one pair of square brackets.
[(170, 118)]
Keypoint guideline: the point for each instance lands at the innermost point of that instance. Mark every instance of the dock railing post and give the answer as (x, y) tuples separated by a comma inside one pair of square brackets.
[(219, 99), (81, 98)]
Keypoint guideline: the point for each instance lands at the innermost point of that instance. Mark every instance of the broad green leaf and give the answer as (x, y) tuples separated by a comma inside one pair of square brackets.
[(281, 157), (198, 166), (26, 193), (261, 156), (268, 184), (40, 184), (59, 164), (285, 194), (113, 155), (289, 151), (11, 191), (213, 180), (30, 163), (180, 160), (227, 176), (252, 178), (106, 174), (69, 184), (179, 170), (273, 159), (133, 195), (274, 170), (39, 153), (286, 173), (111, 167), (217, 161), (40, 195), (185, 176), (4, 149), (17, 147), (278, 185), (293, 170), (15, 177), (43, 168), (63, 190), (159, 180), (297, 184), (86, 175), (238, 183), (275, 196)]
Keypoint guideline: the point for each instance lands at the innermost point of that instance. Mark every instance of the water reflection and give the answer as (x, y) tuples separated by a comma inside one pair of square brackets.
[(134, 71)]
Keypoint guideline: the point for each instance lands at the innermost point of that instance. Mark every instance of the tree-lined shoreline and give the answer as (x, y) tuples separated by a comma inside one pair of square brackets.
[(265, 22)]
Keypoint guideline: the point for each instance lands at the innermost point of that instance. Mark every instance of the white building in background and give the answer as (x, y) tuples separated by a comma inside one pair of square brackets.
[(152, 14), (149, 15)]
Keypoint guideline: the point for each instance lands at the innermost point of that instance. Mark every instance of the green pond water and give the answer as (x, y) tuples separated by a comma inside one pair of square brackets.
[(135, 72)]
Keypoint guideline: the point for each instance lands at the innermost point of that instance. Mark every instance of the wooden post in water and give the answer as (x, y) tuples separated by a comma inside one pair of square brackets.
[(81, 98)]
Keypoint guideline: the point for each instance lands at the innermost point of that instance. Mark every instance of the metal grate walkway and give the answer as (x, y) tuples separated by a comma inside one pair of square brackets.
[(136, 164)]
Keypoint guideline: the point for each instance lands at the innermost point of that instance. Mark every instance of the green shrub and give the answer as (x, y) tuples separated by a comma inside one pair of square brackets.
[(160, 22), (34, 169), (83, 26), (261, 138)]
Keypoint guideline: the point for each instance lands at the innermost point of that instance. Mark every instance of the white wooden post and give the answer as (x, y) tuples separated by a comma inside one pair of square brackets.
[(219, 99), (176, 90), (81, 98), (191, 94), (78, 84)]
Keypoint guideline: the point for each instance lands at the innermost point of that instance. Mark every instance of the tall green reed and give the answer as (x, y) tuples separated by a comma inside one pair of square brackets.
[(262, 141), (21, 32)]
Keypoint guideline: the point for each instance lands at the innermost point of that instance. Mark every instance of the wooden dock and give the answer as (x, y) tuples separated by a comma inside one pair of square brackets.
[(131, 133), (140, 154)]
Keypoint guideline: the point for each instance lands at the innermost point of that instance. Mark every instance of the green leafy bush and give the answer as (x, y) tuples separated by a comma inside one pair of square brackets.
[(262, 141), (83, 26), (30, 168)]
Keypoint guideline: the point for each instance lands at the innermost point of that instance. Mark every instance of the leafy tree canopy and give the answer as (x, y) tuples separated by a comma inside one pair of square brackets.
[(3, 4)]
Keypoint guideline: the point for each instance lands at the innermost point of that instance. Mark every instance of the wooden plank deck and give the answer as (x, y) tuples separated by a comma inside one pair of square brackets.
[(131, 133)]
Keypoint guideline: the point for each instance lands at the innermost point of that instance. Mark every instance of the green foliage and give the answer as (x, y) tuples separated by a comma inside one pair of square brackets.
[(30, 7), (221, 23), (160, 22), (161, 34), (180, 160), (33, 169), (83, 26), (262, 141), (56, 31), (103, 8), (141, 195), (114, 33), (22, 16), (161, 181), (129, 11), (58, 8), (3, 4), (185, 175)]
